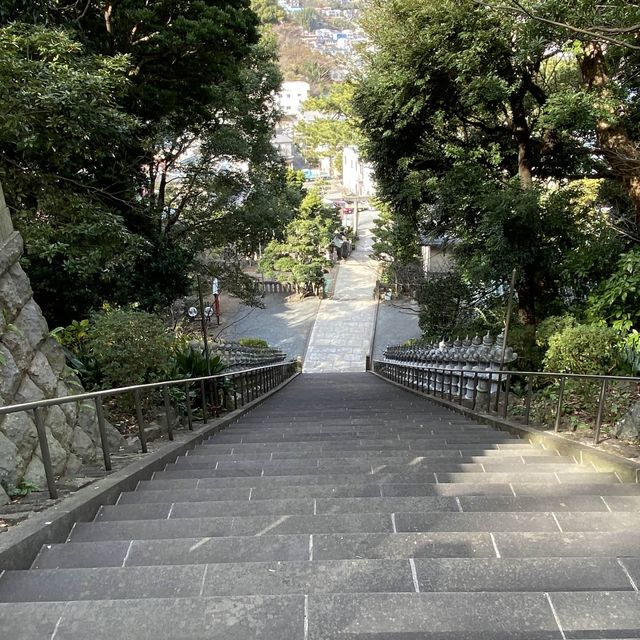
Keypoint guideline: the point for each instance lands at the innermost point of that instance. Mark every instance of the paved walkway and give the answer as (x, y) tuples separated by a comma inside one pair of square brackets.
[(342, 332), (343, 508)]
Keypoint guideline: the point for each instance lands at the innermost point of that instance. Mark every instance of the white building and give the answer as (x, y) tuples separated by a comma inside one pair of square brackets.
[(291, 97), (284, 144), (357, 175)]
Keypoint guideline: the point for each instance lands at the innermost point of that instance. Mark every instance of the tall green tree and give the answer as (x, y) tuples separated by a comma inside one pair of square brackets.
[(462, 108), (299, 257), (333, 129), (152, 142)]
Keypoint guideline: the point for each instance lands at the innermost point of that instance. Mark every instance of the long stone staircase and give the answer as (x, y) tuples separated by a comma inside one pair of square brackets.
[(343, 508)]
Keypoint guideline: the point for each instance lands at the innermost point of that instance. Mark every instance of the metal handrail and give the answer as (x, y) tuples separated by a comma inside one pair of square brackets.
[(253, 383), (513, 372), (90, 395), (494, 376)]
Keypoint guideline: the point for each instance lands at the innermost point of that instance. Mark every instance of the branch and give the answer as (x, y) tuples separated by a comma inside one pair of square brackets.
[(595, 34)]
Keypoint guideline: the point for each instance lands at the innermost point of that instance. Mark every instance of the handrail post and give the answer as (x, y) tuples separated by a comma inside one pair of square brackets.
[(203, 398), (603, 391), (45, 453), (189, 413), (527, 403), (475, 390), (505, 405), (559, 406), (140, 418), (498, 389), (167, 410), (103, 434)]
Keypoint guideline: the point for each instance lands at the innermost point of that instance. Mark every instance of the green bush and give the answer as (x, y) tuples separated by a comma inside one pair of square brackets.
[(586, 349), (552, 325), (253, 342), (191, 362), (130, 347)]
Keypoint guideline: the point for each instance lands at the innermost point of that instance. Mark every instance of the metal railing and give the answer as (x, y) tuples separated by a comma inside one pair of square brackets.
[(232, 390), (487, 391)]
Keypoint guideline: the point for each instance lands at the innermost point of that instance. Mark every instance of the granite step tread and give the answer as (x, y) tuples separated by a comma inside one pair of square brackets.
[(203, 550), (189, 490), (239, 618), (346, 454), (471, 616), (492, 522), (330, 463), (320, 576), (230, 579), (293, 506), (225, 478)]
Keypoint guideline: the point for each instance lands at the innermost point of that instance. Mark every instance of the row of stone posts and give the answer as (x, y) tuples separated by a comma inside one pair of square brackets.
[(238, 356), (443, 368)]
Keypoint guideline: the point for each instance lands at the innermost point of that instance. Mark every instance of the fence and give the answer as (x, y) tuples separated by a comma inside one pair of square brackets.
[(232, 389), (272, 286), (488, 391)]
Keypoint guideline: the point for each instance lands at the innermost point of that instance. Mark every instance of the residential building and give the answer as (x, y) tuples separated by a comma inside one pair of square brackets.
[(357, 175), (291, 97), (284, 144)]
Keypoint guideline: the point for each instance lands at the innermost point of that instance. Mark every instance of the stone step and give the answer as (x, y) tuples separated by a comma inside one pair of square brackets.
[(236, 618), (420, 468), (322, 506), (357, 446), (355, 523), (340, 546), (207, 550), (381, 439), (231, 579), (351, 455), (457, 544), (230, 526), (356, 431), (321, 576), (486, 616), (147, 492), (206, 479), (413, 460)]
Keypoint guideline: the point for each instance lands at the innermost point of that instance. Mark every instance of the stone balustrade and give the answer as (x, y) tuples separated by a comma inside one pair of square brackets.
[(467, 362), (238, 356)]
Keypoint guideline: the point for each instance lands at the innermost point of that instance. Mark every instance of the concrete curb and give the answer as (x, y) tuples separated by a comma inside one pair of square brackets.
[(20, 545), (626, 470)]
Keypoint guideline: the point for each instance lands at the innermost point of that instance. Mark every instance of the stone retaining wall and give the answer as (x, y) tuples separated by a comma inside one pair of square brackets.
[(32, 367)]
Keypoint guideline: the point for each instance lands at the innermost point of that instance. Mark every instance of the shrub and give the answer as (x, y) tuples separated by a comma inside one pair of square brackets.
[(552, 325), (587, 349), (253, 342), (191, 362), (130, 347)]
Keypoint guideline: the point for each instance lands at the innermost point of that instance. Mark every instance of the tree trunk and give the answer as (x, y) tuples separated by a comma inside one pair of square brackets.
[(619, 149), (522, 134)]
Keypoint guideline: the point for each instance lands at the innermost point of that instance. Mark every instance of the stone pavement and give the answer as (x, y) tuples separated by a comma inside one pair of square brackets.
[(397, 322), (342, 332), (344, 508), (285, 325)]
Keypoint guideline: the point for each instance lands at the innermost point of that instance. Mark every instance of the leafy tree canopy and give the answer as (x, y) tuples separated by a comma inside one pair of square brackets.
[(479, 123), (150, 143)]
